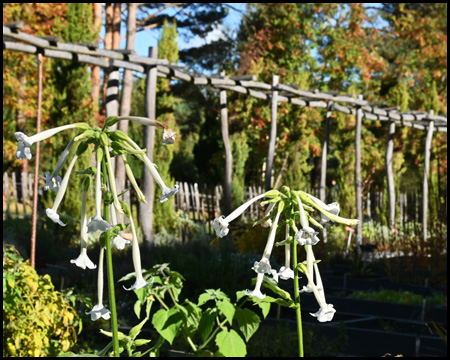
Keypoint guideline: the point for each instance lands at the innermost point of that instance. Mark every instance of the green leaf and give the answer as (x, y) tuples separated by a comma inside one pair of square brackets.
[(248, 322), (137, 308), (211, 294), (167, 323), (227, 309), (230, 344), (265, 308), (206, 323)]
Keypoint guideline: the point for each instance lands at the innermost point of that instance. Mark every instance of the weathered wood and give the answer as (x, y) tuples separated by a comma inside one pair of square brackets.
[(197, 201), (187, 197), (323, 167), (273, 132), (358, 182), (227, 147), (390, 175), (426, 169), (148, 187), (7, 193)]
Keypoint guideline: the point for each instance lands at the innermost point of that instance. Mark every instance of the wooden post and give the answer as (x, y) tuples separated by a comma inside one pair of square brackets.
[(14, 187), (273, 133), (358, 183), (227, 146), (426, 169), (6, 184), (36, 168), (146, 210), (323, 168), (390, 175)]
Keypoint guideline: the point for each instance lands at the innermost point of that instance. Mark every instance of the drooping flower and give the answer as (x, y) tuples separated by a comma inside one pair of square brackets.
[(83, 260), (96, 223), (25, 142), (140, 281), (52, 213), (326, 311), (166, 191), (257, 291), (221, 223), (99, 311), (53, 181), (286, 272)]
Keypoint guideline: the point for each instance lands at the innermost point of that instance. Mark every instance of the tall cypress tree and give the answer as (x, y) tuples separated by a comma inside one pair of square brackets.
[(71, 87)]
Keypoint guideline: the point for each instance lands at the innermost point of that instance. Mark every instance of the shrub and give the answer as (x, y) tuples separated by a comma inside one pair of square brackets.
[(37, 320)]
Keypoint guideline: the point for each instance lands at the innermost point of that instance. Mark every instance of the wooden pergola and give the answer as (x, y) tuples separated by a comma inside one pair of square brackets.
[(113, 60)]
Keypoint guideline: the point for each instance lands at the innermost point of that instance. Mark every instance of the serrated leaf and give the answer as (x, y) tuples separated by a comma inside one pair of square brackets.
[(227, 309), (230, 344), (248, 322)]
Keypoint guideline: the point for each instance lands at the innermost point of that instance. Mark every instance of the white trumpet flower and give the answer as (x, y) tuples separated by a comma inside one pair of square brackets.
[(221, 223)]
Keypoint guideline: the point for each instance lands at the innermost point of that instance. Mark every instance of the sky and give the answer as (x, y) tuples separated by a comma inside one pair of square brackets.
[(147, 38)]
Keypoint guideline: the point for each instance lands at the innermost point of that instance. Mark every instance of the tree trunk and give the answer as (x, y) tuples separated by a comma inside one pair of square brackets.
[(273, 133), (228, 154), (95, 75), (358, 183), (146, 210), (127, 86), (390, 174), (426, 168)]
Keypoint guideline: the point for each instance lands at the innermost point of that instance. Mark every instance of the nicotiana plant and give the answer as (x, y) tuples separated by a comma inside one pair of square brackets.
[(106, 144), (293, 207)]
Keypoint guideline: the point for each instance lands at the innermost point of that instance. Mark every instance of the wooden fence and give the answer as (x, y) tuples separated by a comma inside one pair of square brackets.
[(203, 203)]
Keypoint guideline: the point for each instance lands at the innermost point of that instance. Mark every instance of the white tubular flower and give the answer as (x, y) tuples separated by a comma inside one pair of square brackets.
[(53, 182), (83, 260), (307, 236), (99, 311), (286, 272), (25, 142), (112, 180), (166, 191), (97, 223), (332, 208), (221, 223), (303, 220), (169, 137), (52, 213), (257, 291), (326, 311), (140, 281)]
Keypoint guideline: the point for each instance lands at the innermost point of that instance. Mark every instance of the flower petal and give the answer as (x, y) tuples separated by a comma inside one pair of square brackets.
[(221, 226), (325, 314), (167, 193), (99, 311), (54, 216)]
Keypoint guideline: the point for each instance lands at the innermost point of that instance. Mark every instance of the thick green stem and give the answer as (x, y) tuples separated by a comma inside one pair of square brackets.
[(297, 301), (112, 298)]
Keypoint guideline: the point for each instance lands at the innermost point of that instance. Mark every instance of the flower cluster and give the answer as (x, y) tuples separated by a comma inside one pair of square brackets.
[(106, 144), (295, 207)]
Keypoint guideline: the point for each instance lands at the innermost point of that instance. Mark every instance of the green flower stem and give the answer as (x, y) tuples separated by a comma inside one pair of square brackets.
[(112, 298), (297, 301)]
